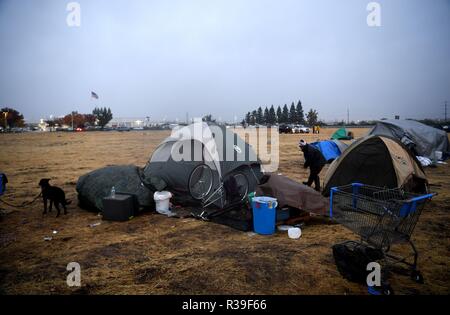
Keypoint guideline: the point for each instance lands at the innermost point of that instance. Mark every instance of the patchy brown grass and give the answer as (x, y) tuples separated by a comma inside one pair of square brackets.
[(152, 254)]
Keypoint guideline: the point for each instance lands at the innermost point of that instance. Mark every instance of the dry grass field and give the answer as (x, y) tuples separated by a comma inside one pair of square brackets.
[(153, 254)]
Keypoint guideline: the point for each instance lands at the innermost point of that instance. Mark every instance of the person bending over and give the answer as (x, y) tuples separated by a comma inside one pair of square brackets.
[(315, 161)]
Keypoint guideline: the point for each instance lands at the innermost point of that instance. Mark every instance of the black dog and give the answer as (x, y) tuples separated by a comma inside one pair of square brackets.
[(55, 194)]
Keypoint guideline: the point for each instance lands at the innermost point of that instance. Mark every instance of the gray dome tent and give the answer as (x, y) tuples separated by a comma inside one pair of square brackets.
[(196, 160), (421, 139), (378, 161)]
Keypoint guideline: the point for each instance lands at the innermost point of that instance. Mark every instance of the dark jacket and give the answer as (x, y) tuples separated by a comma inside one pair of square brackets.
[(313, 157)]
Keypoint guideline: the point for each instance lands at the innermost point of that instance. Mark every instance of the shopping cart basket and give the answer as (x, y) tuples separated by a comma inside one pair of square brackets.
[(381, 217)]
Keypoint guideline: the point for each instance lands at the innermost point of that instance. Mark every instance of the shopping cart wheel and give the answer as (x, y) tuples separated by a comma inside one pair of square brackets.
[(416, 275), (384, 289), (387, 290)]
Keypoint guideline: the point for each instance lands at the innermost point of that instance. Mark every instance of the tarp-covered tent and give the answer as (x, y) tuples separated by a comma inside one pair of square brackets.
[(342, 134), (290, 193), (421, 139), (378, 161), (330, 149), (223, 151)]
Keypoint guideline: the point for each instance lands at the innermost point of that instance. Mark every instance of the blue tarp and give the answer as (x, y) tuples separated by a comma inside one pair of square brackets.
[(329, 149)]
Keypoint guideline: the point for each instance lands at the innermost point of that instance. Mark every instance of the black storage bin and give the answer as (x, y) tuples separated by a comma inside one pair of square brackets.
[(119, 208)]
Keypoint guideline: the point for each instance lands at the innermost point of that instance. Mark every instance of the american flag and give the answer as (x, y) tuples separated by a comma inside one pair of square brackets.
[(94, 95)]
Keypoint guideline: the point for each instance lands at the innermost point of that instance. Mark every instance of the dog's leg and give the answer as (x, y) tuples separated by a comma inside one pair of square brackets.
[(45, 205), (51, 206), (57, 208)]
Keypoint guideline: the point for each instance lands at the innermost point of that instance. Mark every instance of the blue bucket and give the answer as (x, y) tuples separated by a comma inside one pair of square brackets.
[(264, 215)]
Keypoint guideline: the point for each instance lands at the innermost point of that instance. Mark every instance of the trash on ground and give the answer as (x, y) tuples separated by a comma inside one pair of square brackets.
[(424, 161), (284, 228), (55, 232), (294, 233), (95, 224), (48, 238)]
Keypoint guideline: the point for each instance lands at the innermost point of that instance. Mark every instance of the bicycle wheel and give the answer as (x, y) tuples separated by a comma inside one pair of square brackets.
[(200, 181), (242, 185)]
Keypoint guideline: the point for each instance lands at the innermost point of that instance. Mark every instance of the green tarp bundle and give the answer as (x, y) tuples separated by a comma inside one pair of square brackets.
[(129, 179), (341, 134)]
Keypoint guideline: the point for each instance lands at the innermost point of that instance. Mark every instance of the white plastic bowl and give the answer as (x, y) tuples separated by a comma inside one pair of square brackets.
[(294, 233)]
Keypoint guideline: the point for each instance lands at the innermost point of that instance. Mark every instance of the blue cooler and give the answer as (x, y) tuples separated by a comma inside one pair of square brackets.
[(264, 215)]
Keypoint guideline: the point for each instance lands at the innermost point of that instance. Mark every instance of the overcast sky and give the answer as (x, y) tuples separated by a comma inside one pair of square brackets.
[(165, 58)]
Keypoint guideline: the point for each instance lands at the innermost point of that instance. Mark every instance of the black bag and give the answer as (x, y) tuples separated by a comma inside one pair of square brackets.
[(3, 181), (352, 259)]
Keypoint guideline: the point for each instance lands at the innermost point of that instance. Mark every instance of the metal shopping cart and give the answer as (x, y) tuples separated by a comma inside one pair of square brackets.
[(381, 217)]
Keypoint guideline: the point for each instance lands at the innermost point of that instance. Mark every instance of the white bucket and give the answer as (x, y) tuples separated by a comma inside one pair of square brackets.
[(438, 155), (294, 233), (162, 200)]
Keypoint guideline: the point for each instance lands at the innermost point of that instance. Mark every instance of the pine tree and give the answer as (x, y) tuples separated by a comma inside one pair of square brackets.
[(253, 117), (272, 115), (248, 118), (285, 115), (300, 113), (266, 119), (279, 114), (259, 116), (292, 114)]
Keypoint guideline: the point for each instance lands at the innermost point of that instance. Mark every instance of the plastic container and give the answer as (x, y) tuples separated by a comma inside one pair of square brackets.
[(294, 233), (264, 215), (162, 200)]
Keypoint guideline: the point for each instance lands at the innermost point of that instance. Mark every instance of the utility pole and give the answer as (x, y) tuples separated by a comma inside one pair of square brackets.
[(445, 111), (348, 116), (72, 119)]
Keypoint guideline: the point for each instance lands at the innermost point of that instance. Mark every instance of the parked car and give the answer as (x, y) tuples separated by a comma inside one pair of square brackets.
[(285, 129), (303, 129), (300, 129)]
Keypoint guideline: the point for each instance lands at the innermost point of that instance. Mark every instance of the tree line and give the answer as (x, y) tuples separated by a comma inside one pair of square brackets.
[(282, 115), (11, 118), (100, 117)]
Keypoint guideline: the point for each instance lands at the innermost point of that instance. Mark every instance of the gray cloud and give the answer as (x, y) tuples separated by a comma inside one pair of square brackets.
[(166, 58)]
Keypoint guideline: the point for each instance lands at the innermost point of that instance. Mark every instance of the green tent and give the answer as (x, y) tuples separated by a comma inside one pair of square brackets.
[(342, 134)]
